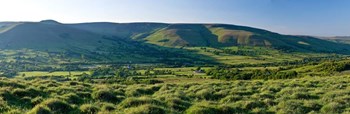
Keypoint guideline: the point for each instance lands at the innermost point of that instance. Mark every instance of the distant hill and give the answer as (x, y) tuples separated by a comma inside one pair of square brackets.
[(212, 35), (53, 37), (337, 39), (148, 42)]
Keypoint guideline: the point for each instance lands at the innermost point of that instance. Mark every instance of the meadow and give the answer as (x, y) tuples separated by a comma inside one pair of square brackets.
[(311, 95)]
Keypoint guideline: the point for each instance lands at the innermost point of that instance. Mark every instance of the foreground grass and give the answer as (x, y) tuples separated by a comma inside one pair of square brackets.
[(191, 96)]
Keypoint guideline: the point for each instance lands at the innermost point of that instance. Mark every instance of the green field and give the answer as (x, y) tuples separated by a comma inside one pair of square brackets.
[(178, 95)]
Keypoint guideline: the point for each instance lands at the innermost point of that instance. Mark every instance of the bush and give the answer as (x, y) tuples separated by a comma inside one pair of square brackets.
[(88, 109)]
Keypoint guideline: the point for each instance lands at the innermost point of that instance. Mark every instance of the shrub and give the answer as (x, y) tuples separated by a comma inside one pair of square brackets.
[(88, 109)]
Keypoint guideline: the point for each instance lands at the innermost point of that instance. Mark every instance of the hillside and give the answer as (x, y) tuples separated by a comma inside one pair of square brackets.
[(337, 39), (212, 35), (104, 42), (67, 43)]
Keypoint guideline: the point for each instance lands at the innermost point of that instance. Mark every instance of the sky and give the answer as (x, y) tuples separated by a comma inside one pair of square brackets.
[(295, 17)]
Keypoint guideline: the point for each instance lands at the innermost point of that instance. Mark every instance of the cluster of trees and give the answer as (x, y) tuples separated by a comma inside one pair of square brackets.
[(245, 52), (237, 74)]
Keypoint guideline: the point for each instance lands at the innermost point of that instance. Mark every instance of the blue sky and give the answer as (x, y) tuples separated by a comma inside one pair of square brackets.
[(305, 17)]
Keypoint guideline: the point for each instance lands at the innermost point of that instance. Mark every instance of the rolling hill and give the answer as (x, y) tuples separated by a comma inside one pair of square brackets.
[(148, 42), (212, 35)]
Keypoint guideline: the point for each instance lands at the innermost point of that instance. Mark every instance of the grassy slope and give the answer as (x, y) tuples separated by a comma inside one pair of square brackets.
[(103, 42)]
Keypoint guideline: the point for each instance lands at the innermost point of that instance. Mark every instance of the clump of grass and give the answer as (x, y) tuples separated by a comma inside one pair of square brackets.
[(292, 106), (15, 111), (332, 108), (3, 105), (177, 104), (108, 107), (72, 98), (39, 109), (134, 91), (146, 109), (132, 102), (37, 100), (205, 94), (56, 106), (105, 95), (312, 105), (202, 108), (228, 109), (231, 99), (250, 104), (88, 109)]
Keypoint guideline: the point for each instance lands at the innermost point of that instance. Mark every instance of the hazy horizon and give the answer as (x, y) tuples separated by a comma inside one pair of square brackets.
[(312, 17)]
